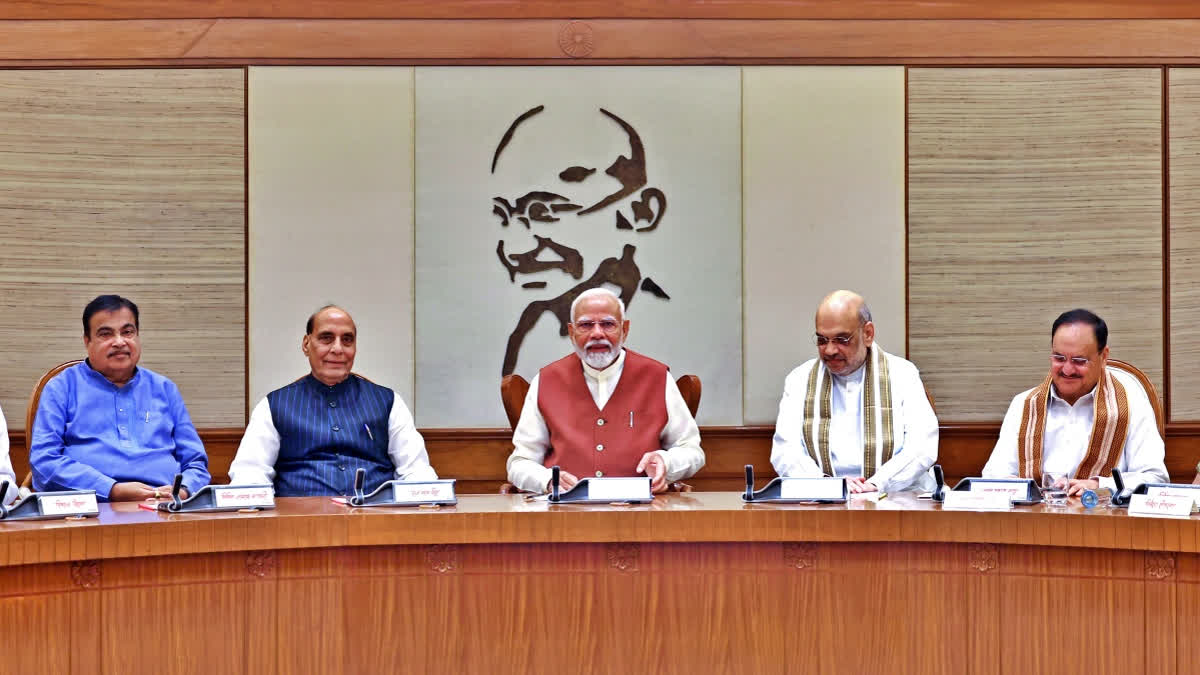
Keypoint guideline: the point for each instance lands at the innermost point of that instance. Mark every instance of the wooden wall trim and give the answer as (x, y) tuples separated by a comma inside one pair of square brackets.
[(594, 9), (254, 41)]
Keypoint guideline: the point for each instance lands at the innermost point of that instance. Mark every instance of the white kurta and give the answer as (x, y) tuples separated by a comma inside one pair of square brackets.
[(916, 432), (1068, 429), (254, 463), (6, 468), (680, 437)]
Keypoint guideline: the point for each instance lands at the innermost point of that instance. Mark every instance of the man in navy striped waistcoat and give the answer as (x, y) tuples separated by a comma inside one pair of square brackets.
[(310, 437)]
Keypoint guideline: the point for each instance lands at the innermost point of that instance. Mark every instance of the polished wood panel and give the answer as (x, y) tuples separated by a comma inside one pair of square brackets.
[(666, 9), (130, 182), (690, 583), (236, 41), (1009, 170)]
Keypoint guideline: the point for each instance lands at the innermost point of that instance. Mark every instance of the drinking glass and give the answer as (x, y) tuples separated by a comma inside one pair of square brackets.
[(1054, 488)]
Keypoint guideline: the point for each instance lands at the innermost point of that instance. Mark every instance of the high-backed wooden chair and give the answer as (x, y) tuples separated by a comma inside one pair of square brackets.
[(514, 388), (31, 412), (1151, 392)]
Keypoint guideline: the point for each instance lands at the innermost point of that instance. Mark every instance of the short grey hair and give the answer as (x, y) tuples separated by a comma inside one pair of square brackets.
[(864, 313), (599, 291)]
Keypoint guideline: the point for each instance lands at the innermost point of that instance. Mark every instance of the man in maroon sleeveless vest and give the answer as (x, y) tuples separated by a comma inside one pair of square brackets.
[(603, 410)]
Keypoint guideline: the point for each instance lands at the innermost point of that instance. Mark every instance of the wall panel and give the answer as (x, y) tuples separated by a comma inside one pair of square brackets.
[(331, 217), (1184, 119), (823, 195), (1031, 191), (129, 182)]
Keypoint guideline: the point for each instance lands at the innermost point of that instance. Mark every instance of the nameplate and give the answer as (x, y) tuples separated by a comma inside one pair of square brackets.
[(1158, 505), (423, 493), (978, 501), (68, 505), (619, 489), (1014, 489), (243, 497), (1192, 493), (812, 488)]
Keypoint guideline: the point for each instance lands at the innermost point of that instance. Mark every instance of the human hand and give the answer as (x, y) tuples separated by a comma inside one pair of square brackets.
[(566, 481), (1076, 486), (654, 466), (859, 484), (131, 491)]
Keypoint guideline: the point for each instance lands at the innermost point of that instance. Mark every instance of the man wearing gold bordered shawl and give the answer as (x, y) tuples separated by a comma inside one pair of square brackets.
[(856, 412), (1083, 420)]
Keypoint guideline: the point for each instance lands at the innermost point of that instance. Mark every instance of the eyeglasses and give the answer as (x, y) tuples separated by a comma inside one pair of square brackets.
[(1077, 361), (840, 341), (106, 334), (606, 325)]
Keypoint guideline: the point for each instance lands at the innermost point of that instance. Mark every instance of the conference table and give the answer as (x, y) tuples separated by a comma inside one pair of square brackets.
[(691, 583)]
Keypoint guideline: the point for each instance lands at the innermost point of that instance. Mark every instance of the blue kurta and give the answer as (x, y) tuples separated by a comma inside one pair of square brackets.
[(90, 434)]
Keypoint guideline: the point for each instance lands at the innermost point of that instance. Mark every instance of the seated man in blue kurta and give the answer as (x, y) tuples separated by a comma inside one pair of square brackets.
[(109, 426), (310, 437)]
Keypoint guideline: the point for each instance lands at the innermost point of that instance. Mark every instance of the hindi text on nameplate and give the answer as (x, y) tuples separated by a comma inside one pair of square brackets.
[(978, 501), (811, 488), (66, 505), (1192, 493), (422, 493), (1014, 490), (618, 489), (243, 497), (1157, 505)]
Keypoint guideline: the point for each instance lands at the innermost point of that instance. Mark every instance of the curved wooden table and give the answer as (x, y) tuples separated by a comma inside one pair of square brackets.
[(692, 583)]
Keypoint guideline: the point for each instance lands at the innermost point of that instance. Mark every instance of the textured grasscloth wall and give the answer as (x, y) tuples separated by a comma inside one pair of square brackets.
[(331, 217), (1184, 121), (823, 195), (1031, 191), (130, 182)]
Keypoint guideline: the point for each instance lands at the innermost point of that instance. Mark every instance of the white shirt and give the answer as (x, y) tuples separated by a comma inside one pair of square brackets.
[(916, 433), (6, 468), (1068, 429), (680, 437), (254, 463)]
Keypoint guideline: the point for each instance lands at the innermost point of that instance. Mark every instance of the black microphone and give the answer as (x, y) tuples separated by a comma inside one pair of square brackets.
[(749, 482), (176, 503), (3, 491), (939, 492), (360, 477), (554, 475), (1118, 497)]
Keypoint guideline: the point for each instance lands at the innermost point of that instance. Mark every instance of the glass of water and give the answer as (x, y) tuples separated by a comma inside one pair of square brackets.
[(1054, 488)]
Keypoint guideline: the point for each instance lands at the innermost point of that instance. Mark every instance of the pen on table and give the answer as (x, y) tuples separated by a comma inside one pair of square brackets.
[(369, 434), (882, 496)]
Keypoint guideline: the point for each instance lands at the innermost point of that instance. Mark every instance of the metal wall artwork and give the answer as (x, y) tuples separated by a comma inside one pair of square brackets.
[(544, 206)]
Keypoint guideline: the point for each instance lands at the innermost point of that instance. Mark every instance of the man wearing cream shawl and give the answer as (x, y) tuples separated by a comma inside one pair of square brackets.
[(856, 412), (1083, 420)]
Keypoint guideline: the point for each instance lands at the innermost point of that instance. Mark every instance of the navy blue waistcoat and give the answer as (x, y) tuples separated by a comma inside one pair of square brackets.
[(327, 433)]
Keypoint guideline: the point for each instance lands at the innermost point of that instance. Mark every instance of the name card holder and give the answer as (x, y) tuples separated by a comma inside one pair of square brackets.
[(962, 500), (213, 498), (1159, 506), (796, 490), (1123, 496), (403, 493), (1021, 491), (634, 490), (51, 505)]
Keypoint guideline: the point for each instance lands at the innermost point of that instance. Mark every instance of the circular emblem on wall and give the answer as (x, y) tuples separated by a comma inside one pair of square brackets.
[(576, 39)]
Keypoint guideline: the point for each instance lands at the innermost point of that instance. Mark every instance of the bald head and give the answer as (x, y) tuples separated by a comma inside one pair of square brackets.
[(844, 331)]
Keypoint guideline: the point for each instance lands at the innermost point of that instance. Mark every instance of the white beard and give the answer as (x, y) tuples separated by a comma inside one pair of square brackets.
[(599, 360)]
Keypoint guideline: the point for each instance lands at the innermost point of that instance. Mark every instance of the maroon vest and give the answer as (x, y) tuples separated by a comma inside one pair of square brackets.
[(587, 441)]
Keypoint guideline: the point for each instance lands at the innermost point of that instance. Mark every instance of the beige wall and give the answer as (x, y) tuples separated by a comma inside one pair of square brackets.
[(823, 196), (1030, 190), (1184, 120), (331, 217), (127, 182)]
